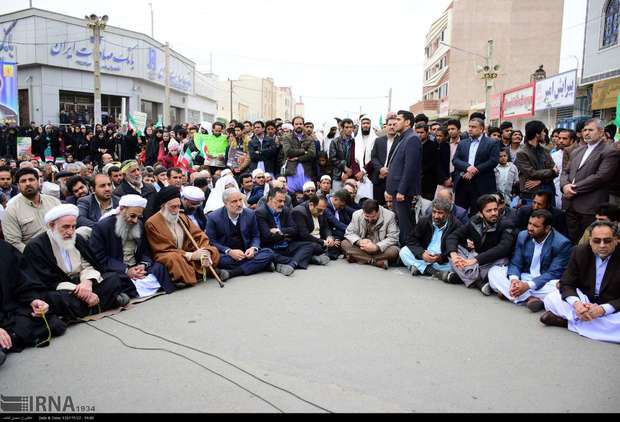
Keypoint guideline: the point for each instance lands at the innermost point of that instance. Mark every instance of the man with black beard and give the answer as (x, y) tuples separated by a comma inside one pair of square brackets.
[(193, 201), (132, 185), (118, 243), (75, 280)]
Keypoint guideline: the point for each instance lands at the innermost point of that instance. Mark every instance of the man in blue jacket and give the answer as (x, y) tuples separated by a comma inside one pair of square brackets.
[(474, 167), (233, 230), (404, 179), (539, 260)]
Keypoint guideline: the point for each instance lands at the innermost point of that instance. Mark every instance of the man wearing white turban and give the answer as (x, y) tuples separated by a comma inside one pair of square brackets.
[(76, 282), (118, 242)]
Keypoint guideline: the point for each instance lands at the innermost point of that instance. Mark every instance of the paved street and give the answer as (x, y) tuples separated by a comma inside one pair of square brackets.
[(348, 338)]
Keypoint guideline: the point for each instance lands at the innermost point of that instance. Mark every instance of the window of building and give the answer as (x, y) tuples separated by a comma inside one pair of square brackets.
[(610, 30)]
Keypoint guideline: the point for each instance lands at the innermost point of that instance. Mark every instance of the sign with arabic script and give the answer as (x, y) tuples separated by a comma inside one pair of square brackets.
[(518, 102), (556, 91)]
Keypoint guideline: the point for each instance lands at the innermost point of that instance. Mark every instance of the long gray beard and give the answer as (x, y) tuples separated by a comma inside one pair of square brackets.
[(127, 231), (169, 217), (67, 245)]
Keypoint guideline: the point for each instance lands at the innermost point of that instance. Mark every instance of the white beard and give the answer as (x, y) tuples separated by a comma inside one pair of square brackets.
[(126, 231), (170, 218), (66, 245)]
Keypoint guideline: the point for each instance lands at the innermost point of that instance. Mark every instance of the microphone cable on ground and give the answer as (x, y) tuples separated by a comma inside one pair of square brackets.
[(153, 349), (224, 361)]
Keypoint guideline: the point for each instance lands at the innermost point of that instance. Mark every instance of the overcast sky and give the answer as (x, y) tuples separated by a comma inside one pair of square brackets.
[(337, 55)]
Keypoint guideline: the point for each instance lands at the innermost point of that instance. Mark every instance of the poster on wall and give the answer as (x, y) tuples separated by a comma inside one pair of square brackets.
[(9, 109), (518, 102), (556, 91), (24, 146)]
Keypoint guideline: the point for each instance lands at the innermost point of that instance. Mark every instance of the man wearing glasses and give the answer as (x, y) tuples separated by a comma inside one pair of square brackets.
[(588, 298)]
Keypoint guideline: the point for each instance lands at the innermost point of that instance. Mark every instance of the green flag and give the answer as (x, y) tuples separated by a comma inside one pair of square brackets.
[(159, 124), (381, 121)]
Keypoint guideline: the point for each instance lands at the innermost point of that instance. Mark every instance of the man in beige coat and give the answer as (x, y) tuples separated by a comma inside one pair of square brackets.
[(372, 237)]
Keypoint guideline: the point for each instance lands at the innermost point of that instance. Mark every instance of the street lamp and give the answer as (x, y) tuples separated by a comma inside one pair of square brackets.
[(539, 74), (97, 25)]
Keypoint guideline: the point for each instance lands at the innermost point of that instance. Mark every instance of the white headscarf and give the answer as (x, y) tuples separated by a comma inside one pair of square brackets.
[(215, 201), (363, 150), (328, 126)]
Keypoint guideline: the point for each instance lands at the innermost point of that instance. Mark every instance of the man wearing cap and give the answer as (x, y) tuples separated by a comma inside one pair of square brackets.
[(177, 243), (25, 213), (132, 185), (309, 189), (325, 186), (192, 201), (76, 282), (234, 231), (118, 242)]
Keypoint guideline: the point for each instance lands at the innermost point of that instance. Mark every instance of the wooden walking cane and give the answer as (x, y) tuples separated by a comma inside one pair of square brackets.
[(188, 234)]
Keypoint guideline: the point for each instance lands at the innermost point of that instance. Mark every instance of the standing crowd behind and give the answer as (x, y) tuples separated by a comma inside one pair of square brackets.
[(94, 218)]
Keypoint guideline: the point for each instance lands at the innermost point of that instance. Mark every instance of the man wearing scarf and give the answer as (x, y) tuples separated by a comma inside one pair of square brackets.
[(362, 155)]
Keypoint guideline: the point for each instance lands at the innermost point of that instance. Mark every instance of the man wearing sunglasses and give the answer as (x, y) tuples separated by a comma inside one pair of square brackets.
[(588, 298)]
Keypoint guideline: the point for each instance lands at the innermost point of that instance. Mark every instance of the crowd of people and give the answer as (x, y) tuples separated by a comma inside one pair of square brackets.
[(110, 215)]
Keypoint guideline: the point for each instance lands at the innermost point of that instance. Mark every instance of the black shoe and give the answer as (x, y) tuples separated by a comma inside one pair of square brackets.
[(272, 267), (535, 305), (552, 320), (453, 278), (430, 271), (2, 356), (223, 274), (122, 300), (414, 271), (486, 289)]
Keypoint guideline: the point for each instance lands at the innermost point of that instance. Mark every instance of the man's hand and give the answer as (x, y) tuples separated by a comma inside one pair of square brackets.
[(197, 256), (250, 253), (369, 247), (83, 290), (275, 231), (518, 288), (5, 339), (569, 191), (294, 159), (400, 197), (136, 273), (595, 311), (236, 254), (92, 300), (329, 242), (359, 176), (532, 184), (39, 308), (468, 176), (582, 311), (471, 245), (473, 170), (383, 173), (469, 262), (431, 259), (206, 260)]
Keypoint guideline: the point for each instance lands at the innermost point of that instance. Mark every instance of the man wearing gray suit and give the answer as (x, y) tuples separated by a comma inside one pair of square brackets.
[(585, 181)]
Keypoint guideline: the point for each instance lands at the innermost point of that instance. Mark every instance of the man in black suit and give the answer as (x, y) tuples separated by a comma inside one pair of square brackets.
[(381, 154), (312, 226), (474, 166), (430, 162), (588, 300), (404, 179)]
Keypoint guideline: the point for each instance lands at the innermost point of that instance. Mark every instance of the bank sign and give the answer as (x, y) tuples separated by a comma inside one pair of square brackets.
[(556, 91), (68, 45)]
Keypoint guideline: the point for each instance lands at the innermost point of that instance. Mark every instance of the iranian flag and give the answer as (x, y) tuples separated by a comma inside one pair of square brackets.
[(185, 161)]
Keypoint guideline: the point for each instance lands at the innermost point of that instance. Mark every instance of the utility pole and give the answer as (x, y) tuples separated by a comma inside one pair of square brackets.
[(488, 73), (231, 99), (166, 116), (97, 24), (390, 101), (152, 20)]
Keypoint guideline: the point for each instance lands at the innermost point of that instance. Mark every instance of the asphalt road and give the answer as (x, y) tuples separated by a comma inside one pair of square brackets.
[(347, 338)]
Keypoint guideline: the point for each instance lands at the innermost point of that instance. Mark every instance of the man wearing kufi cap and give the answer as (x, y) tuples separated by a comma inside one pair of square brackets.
[(173, 238), (76, 282), (119, 243), (309, 190), (132, 185), (192, 201), (325, 186)]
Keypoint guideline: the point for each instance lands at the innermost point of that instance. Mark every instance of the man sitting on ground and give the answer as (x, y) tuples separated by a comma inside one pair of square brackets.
[(279, 233), (540, 258), (588, 300), (425, 253), (457, 212), (101, 202), (313, 227), (192, 200), (233, 230), (118, 242), (177, 243), (76, 282), (493, 239), (372, 238)]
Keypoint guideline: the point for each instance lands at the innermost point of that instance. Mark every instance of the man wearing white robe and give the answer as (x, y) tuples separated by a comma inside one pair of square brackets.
[(364, 143)]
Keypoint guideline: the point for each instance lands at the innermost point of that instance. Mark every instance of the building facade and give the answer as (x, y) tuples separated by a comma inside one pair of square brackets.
[(284, 103), (600, 78), (456, 45), (54, 53)]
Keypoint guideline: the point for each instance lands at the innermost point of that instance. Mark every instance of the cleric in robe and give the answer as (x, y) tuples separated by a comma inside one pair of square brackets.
[(22, 305), (171, 235), (76, 283), (118, 242)]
